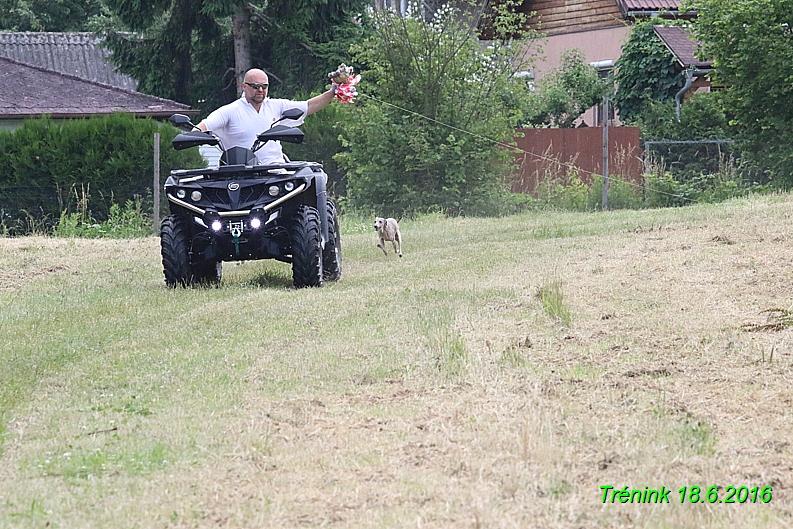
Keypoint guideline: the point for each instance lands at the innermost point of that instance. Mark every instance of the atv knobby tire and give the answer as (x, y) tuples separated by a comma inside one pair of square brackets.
[(331, 255), (306, 240), (175, 247)]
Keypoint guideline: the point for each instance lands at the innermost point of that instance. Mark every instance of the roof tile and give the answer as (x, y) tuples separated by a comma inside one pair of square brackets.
[(651, 5), (30, 91), (74, 53), (682, 45)]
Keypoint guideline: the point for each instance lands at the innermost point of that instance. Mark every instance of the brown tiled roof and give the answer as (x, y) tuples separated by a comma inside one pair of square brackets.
[(650, 5), (29, 91), (645, 8), (75, 53), (682, 45)]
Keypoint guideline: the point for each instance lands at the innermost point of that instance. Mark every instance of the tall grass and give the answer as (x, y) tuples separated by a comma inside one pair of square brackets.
[(122, 221), (551, 296)]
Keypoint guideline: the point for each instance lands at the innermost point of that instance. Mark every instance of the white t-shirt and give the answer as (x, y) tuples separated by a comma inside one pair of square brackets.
[(238, 123)]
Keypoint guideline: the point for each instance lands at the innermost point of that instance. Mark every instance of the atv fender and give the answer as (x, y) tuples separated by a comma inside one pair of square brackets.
[(320, 183)]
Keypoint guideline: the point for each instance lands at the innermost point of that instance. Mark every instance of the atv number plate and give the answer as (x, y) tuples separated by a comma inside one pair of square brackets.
[(235, 228)]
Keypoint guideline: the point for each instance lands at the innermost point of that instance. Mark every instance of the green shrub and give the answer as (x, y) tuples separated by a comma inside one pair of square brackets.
[(566, 192), (622, 194), (566, 92), (645, 72), (321, 144), (46, 160), (122, 223), (663, 191), (433, 102)]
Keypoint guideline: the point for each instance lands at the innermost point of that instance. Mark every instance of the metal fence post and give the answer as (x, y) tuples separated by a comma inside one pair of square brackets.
[(156, 221), (605, 197)]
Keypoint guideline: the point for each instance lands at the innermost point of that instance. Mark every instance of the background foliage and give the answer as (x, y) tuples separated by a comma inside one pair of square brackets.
[(56, 165), (645, 72), (566, 93), (751, 45), (418, 76), (183, 50), (47, 15)]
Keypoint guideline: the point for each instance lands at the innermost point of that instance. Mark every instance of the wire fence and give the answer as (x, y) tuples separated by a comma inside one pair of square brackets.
[(689, 160)]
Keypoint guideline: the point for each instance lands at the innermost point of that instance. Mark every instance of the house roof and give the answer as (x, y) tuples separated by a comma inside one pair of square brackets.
[(650, 5), (682, 45), (75, 53), (644, 8), (28, 91)]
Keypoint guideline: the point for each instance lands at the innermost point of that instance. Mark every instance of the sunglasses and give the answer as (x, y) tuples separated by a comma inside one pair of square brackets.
[(256, 86)]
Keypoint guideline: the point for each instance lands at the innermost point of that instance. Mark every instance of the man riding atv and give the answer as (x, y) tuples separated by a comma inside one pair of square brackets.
[(255, 204)]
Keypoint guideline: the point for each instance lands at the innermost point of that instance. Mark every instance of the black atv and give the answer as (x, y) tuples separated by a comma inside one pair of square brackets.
[(243, 211)]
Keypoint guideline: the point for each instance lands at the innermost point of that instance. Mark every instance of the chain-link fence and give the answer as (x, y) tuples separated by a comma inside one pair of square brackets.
[(691, 160)]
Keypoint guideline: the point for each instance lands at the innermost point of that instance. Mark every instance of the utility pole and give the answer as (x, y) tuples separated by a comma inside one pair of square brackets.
[(605, 198)]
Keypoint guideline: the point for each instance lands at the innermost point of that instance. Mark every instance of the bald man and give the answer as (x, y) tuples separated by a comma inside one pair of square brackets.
[(238, 123)]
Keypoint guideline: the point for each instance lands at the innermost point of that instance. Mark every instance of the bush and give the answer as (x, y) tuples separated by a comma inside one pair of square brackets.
[(697, 171), (46, 160), (622, 194), (321, 144), (433, 102), (566, 93), (122, 223), (645, 72)]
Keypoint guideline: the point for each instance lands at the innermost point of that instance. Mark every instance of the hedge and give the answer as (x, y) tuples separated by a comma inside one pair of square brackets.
[(48, 165)]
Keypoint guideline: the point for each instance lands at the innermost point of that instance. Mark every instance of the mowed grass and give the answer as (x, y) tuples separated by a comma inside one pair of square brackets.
[(496, 376)]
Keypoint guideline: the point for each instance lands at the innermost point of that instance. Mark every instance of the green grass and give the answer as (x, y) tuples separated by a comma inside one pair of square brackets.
[(551, 296), (496, 375)]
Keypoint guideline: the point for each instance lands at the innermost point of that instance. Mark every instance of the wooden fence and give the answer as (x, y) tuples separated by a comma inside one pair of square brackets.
[(558, 154)]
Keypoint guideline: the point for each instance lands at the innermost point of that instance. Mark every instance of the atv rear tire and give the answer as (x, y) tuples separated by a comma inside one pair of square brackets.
[(306, 242), (331, 255), (175, 247), (208, 272)]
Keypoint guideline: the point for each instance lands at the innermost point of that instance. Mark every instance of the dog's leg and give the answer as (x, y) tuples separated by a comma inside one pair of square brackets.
[(398, 243), (381, 245)]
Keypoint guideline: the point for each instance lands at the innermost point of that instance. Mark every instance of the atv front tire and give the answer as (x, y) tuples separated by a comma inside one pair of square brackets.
[(306, 239), (331, 255), (175, 247)]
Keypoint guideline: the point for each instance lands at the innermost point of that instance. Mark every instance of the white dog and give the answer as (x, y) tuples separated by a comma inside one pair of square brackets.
[(388, 230)]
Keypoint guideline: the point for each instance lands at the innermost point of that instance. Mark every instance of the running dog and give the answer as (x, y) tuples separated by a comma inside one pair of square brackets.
[(388, 230)]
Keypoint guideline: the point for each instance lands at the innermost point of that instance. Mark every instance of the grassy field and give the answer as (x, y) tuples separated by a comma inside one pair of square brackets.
[(498, 375)]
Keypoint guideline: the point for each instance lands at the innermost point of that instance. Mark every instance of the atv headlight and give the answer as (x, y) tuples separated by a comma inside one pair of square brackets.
[(289, 186), (181, 193), (196, 196), (216, 225), (256, 223), (274, 190)]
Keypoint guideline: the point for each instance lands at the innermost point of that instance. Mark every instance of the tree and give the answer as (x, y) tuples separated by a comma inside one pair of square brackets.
[(47, 15), (435, 109), (646, 71), (195, 51), (567, 92), (750, 43)]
